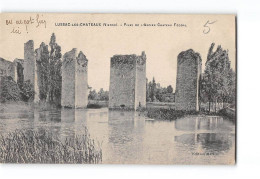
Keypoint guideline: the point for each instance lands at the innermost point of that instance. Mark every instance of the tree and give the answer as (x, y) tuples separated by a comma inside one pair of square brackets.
[(49, 71), (93, 95), (169, 89), (155, 92), (103, 95), (27, 91), (215, 82), (55, 78), (42, 62), (9, 90)]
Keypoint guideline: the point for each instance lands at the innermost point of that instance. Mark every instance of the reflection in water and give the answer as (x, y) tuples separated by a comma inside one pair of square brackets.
[(209, 142), (198, 123), (127, 137)]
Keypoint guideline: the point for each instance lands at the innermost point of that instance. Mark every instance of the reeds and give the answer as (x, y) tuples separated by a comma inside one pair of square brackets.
[(42, 147)]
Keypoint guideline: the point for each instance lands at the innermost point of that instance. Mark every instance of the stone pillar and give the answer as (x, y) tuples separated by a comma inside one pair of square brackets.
[(187, 83), (127, 87), (29, 61), (30, 68), (140, 82), (74, 80), (18, 70)]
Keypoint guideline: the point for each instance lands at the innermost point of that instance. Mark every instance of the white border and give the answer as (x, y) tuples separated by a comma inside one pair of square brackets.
[(248, 148)]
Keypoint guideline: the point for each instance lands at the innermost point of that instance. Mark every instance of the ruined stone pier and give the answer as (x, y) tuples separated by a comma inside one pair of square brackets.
[(187, 83), (127, 81), (74, 80), (30, 70)]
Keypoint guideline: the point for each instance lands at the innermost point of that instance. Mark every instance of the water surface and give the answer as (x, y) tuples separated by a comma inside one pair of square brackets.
[(131, 138)]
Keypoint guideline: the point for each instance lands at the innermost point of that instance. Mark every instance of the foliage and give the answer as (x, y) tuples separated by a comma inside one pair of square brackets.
[(34, 147), (43, 70), (167, 114), (100, 96), (155, 93), (218, 81), (27, 91), (55, 78), (9, 90), (49, 71)]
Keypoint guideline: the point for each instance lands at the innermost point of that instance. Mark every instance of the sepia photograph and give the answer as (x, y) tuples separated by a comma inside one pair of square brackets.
[(118, 89)]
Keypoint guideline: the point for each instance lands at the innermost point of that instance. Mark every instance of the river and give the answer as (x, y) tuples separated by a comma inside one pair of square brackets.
[(131, 138)]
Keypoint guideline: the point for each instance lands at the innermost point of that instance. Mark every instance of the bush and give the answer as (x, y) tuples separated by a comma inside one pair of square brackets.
[(167, 114), (9, 90)]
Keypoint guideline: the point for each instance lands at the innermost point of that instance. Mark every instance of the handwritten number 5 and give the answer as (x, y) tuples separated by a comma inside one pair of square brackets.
[(207, 30)]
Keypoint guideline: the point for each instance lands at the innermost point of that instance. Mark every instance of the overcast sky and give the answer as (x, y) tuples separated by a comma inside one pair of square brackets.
[(161, 44)]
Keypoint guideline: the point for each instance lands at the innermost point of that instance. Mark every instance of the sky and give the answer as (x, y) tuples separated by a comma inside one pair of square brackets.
[(162, 44)]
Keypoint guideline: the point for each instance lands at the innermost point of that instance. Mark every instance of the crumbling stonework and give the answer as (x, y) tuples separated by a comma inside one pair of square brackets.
[(30, 69), (187, 84), (6, 68), (18, 71), (29, 61), (127, 81), (74, 80)]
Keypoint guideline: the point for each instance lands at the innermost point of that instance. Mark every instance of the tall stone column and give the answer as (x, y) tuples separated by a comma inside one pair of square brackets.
[(30, 67), (74, 80), (187, 83), (127, 87)]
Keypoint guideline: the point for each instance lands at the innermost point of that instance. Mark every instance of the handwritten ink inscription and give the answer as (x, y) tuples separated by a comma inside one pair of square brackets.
[(19, 25), (206, 26)]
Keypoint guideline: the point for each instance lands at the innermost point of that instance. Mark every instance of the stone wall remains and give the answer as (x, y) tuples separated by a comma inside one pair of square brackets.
[(29, 61), (6, 68), (140, 85), (81, 88), (74, 80), (187, 83), (127, 81)]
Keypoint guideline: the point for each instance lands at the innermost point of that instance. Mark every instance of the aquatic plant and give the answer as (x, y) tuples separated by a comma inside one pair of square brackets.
[(28, 146)]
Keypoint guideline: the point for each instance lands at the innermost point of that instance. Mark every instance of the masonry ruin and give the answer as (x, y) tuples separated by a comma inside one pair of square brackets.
[(6, 68), (127, 81), (74, 80), (187, 83), (18, 71), (30, 69)]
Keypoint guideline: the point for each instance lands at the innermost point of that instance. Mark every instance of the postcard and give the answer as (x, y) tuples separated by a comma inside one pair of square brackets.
[(118, 88)]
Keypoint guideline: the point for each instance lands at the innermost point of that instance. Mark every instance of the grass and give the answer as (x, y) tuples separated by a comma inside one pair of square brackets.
[(167, 114), (172, 114), (94, 104), (33, 147)]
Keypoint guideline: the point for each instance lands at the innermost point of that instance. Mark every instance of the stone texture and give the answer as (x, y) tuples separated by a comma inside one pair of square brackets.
[(7, 68), (74, 80), (29, 61), (30, 69), (187, 84), (127, 81), (18, 71)]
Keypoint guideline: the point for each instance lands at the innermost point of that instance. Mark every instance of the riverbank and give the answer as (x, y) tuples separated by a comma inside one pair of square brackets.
[(172, 114), (20, 106)]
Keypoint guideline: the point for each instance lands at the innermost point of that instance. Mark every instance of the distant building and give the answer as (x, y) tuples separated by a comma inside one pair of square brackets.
[(74, 80), (127, 81), (187, 84)]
